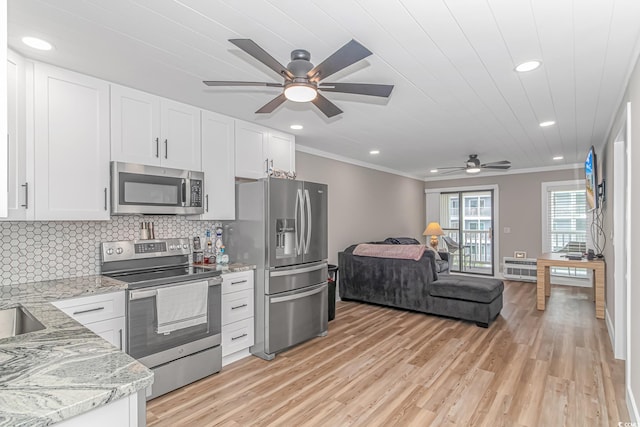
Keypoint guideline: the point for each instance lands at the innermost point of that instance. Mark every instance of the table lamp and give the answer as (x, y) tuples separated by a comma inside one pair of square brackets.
[(434, 230)]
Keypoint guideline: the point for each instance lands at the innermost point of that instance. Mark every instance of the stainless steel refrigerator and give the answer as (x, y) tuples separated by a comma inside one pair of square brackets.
[(281, 226)]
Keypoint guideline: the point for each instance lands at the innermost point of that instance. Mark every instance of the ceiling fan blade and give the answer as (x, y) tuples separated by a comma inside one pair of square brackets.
[(501, 162), (232, 83), (358, 88), (272, 105), (495, 166), (453, 167), (348, 54), (250, 47), (327, 107), (452, 171)]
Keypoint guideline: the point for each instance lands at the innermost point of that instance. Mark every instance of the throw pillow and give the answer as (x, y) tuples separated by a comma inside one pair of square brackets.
[(401, 241), (435, 253)]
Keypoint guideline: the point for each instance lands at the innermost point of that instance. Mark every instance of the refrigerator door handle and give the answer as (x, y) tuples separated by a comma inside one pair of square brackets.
[(296, 225), (300, 295), (308, 207), (298, 270), (300, 204)]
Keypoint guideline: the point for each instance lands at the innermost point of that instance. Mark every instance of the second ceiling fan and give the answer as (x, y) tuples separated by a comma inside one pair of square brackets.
[(473, 165), (302, 80)]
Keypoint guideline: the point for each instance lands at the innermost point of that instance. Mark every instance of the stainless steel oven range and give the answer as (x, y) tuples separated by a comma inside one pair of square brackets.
[(173, 310)]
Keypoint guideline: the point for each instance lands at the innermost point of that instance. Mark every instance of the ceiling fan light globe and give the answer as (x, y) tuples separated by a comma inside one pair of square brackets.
[(473, 170), (300, 93)]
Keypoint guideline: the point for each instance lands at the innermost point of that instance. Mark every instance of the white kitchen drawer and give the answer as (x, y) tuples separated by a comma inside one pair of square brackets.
[(233, 282), (112, 330), (237, 336), (94, 308), (237, 306)]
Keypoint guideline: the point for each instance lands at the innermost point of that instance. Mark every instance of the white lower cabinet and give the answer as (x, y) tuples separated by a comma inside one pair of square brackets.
[(237, 315), (128, 411), (102, 314)]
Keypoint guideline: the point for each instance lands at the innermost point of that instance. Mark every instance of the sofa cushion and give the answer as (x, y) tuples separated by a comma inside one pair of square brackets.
[(436, 254), (401, 241), (477, 289)]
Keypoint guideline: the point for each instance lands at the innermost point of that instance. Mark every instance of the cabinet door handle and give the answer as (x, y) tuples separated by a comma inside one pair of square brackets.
[(105, 198), (91, 310), (238, 306), (26, 195), (266, 165), (206, 198), (238, 337), (120, 331), (238, 282), (157, 147), (166, 149)]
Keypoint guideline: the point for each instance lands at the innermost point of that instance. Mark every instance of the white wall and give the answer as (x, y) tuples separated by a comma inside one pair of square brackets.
[(364, 204), (633, 348)]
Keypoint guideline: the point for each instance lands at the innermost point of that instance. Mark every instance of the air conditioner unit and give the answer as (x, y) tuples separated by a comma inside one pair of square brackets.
[(523, 269)]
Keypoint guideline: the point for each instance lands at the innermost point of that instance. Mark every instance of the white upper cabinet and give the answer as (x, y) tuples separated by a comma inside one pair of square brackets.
[(151, 130), (250, 160), (20, 171), (281, 151), (259, 149), (71, 145), (218, 159)]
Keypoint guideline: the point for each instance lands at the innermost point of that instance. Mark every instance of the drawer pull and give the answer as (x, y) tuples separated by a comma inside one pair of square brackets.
[(91, 310), (238, 306), (238, 337), (239, 281)]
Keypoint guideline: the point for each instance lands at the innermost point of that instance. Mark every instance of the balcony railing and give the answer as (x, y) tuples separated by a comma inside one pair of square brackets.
[(475, 252)]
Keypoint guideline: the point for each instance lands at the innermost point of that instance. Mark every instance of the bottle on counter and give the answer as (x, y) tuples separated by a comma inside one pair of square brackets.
[(223, 258), (209, 255), (218, 243)]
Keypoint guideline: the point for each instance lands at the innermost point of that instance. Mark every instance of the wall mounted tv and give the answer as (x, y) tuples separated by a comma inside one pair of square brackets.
[(591, 179)]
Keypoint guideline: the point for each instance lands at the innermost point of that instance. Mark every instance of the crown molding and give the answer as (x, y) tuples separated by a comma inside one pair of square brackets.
[(344, 159)]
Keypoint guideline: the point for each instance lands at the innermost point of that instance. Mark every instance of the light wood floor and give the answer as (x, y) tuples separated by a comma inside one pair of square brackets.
[(383, 367)]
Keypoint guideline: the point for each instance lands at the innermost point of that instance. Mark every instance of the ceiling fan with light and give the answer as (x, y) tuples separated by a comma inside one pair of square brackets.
[(473, 165), (302, 78)]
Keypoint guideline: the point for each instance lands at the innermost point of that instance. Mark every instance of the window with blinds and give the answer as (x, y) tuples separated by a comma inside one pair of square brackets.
[(566, 221), (565, 224)]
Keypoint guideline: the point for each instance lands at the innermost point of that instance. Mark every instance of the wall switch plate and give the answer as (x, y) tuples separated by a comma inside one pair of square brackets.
[(507, 230)]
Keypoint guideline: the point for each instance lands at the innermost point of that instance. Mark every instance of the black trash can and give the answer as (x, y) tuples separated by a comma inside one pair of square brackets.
[(333, 278)]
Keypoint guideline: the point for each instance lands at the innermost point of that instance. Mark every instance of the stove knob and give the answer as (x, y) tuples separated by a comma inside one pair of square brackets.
[(171, 247), (185, 246), (118, 251), (110, 251)]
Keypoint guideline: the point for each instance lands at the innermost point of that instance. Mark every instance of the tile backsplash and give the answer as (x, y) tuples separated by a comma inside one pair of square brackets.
[(34, 251)]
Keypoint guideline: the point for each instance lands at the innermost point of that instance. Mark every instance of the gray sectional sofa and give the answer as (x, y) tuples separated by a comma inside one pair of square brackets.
[(417, 286)]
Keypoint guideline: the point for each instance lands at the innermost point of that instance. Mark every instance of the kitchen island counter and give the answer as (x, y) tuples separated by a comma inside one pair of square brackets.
[(65, 369)]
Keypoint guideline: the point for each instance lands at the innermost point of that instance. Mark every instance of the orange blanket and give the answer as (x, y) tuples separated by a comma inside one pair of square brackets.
[(413, 252)]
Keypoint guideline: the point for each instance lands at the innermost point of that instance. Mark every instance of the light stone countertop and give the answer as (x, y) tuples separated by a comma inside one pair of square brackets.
[(230, 268), (63, 370)]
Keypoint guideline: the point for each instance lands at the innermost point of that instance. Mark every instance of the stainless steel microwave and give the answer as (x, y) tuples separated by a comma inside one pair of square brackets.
[(143, 189)]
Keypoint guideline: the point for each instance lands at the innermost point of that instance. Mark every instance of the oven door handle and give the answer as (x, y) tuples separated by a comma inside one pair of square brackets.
[(148, 293), (133, 295)]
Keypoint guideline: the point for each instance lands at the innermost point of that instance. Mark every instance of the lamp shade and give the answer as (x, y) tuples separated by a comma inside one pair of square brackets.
[(433, 229)]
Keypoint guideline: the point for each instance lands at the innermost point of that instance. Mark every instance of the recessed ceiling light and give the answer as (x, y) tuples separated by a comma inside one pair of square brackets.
[(547, 123), (296, 127), (558, 157), (434, 171), (528, 66), (37, 43), (374, 152)]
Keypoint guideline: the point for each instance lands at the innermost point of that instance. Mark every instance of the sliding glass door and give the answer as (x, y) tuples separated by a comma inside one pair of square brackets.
[(466, 217)]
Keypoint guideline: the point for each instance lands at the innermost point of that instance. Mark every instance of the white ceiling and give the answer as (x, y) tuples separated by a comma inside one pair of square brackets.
[(451, 62)]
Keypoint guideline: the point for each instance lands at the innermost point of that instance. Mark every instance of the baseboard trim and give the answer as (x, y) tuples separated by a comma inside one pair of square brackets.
[(631, 406), (611, 330)]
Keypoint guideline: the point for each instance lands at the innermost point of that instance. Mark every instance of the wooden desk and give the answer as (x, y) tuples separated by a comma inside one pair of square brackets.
[(548, 260)]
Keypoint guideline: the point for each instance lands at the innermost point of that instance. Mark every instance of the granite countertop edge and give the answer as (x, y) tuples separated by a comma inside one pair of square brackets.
[(64, 370)]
